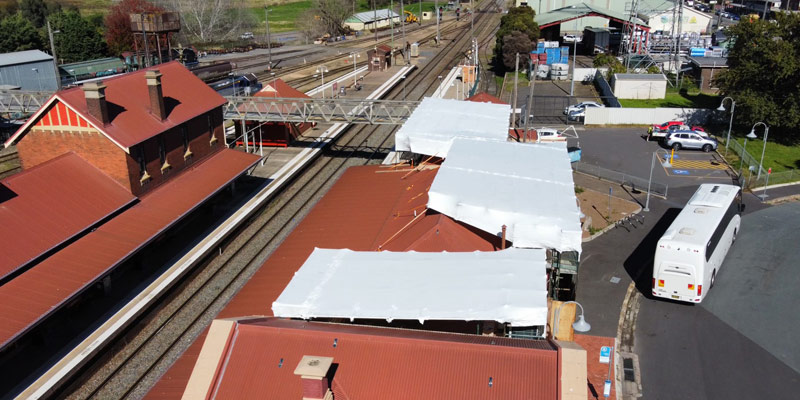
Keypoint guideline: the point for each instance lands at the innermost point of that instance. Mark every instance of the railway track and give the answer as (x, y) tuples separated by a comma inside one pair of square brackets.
[(151, 345)]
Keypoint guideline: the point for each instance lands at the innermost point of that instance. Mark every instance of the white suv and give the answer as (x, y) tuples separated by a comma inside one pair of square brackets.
[(691, 140)]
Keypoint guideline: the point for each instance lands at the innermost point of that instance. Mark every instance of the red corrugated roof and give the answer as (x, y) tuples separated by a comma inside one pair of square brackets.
[(185, 96), (45, 206), (279, 88), (484, 97), (382, 363), (368, 207), (36, 293)]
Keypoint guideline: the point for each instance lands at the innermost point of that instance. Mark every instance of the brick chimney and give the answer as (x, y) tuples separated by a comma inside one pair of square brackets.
[(95, 94), (153, 78), (313, 373)]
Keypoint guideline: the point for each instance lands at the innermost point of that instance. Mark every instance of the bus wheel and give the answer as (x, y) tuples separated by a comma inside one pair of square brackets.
[(713, 278)]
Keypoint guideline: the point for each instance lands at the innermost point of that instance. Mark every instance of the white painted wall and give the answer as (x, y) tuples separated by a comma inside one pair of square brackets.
[(639, 89), (693, 21), (645, 116)]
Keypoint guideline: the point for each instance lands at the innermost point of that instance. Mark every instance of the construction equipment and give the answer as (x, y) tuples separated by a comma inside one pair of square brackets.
[(410, 17)]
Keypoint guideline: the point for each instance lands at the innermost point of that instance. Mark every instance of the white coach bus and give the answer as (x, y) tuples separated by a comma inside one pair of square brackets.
[(690, 254)]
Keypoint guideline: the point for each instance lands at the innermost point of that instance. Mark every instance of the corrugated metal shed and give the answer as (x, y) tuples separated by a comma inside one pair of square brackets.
[(43, 289), (132, 122), (369, 207), (368, 17), (30, 70), (575, 11), (47, 205), (24, 57), (381, 363)]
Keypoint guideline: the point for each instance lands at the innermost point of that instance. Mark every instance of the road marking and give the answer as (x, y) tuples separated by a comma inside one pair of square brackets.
[(696, 164)]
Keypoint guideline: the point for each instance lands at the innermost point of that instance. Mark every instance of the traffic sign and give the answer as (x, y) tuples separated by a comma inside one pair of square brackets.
[(605, 354)]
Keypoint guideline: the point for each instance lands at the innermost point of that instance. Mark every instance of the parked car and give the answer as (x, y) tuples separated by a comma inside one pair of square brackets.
[(577, 115), (666, 125), (581, 106), (691, 140), (246, 35), (549, 135), (664, 130)]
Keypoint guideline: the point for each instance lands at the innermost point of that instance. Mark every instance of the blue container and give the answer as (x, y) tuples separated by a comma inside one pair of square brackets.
[(564, 60), (540, 45)]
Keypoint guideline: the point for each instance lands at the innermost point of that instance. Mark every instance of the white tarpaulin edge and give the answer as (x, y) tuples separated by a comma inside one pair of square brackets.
[(507, 286), (527, 187), (435, 122)]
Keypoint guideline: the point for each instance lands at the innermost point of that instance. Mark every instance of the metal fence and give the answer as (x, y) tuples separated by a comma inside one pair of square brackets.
[(605, 90), (633, 182), (748, 170)]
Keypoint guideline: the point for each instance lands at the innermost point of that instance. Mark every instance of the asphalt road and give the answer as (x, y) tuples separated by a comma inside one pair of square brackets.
[(741, 341)]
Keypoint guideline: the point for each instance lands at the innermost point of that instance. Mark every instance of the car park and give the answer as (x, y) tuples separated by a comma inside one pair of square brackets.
[(581, 106), (691, 140)]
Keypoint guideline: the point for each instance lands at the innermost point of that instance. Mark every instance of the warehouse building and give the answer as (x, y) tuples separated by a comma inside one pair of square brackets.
[(369, 20), (28, 70)]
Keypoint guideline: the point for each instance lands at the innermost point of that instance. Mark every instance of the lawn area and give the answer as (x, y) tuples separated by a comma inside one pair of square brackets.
[(283, 17), (779, 157), (673, 98)]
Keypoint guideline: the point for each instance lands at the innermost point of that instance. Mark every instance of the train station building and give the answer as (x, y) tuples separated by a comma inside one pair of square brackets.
[(112, 171)]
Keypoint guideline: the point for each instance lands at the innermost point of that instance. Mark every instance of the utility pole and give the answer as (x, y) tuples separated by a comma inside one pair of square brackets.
[(574, 56), (146, 47), (678, 52), (403, 28), (514, 100), (436, 15), (764, 17), (375, 19), (471, 19), (269, 40), (532, 83), (391, 21), (55, 59)]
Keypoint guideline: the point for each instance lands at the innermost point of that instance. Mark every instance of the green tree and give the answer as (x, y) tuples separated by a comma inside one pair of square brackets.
[(37, 11), (518, 19), (18, 34), (608, 61), (77, 40), (763, 74)]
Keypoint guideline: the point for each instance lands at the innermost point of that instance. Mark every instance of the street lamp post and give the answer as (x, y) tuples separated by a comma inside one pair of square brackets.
[(665, 164), (730, 124), (580, 325), (50, 33), (355, 69), (322, 70), (766, 133)]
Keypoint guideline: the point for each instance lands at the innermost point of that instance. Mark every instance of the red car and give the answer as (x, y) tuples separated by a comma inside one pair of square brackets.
[(675, 125)]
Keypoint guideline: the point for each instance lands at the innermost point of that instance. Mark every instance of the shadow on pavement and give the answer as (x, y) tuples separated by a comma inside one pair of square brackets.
[(639, 264)]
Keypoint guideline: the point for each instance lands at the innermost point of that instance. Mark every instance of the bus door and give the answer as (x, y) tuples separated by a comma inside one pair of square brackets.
[(677, 281)]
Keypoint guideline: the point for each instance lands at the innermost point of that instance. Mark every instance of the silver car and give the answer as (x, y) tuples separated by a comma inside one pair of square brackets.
[(691, 140)]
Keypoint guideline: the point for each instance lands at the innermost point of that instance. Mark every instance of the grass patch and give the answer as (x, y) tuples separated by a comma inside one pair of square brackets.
[(675, 99), (777, 156), (283, 17)]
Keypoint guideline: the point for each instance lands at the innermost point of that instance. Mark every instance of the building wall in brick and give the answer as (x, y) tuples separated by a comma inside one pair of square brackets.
[(200, 146), (61, 130), (39, 146)]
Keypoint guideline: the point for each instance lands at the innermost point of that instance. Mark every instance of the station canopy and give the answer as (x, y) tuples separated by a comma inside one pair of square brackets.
[(434, 124), (507, 286), (526, 186)]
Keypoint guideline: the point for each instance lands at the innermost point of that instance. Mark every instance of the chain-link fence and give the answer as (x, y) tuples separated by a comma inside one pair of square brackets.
[(633, 182), (748, 170)]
